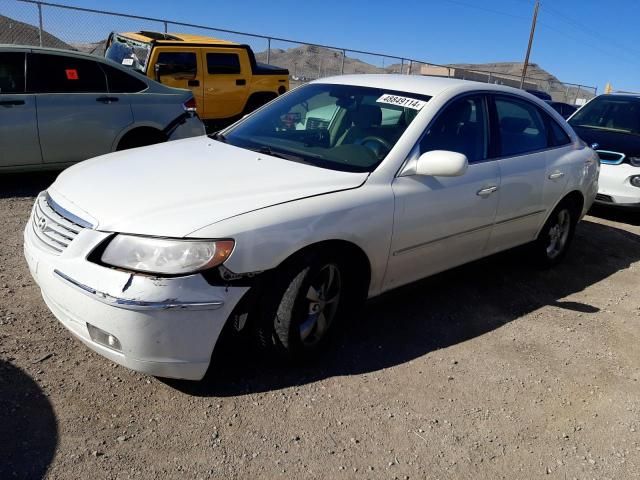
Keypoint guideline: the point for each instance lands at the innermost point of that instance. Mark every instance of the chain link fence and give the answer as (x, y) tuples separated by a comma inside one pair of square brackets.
[(30, 22)]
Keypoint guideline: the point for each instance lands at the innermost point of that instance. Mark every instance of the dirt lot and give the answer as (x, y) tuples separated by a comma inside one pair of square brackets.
[(494, 370)]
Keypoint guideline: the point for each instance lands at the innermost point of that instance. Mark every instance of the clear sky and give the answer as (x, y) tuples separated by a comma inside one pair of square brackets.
[(580, 41)]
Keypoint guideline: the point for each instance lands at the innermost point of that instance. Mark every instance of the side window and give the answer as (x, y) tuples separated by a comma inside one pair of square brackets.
[(121, 82), (221, 63), (461, 127), (178, 63), (556, 136), (11, 72), (49, 73), (521, 127)]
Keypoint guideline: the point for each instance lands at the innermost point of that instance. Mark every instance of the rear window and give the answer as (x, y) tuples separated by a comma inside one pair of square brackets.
[(609, 112), (11, 72), (221, 63), (64, 74), (121, 82)]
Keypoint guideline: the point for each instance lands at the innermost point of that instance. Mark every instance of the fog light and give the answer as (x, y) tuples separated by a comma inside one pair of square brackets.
[(635, 181), (104, 338)]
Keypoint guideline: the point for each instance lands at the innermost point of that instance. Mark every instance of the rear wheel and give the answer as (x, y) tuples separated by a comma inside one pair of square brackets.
[(141, 138), (555, 237)]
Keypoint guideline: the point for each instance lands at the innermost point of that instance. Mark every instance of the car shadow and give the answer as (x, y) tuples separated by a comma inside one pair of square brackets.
[(28, 426), (25, 184), (621, 215), (435, 313)]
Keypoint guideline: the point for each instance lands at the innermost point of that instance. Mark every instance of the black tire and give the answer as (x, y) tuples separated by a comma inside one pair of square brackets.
[(287, 310), (556, 235), (141, 138)]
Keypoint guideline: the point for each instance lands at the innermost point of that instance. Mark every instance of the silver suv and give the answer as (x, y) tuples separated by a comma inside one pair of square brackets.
[(59, 107)]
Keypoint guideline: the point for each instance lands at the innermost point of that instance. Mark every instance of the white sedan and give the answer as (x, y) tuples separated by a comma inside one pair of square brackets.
[(281, 224)]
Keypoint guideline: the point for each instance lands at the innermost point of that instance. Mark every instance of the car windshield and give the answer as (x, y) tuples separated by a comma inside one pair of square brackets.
[(613, 113), (340, 127), (128, 52)]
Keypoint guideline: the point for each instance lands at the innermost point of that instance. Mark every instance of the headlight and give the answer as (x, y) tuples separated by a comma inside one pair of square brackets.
[(635, 161), (165, 256)]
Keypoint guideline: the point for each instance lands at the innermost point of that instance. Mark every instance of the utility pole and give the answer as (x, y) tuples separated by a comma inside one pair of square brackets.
[(533, 30)]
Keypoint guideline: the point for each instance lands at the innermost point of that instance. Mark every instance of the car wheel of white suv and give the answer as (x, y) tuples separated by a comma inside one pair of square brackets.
[(303, 304), (555, 237)]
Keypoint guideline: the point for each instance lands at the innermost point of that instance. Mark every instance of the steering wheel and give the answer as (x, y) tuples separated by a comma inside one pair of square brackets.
[(380, 141)]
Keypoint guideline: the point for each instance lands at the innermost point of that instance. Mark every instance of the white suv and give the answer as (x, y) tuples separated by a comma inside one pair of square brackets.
[(279, 226)]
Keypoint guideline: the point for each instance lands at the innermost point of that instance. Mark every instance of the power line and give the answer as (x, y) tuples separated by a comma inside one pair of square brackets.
[(586, 29), (484, 9)]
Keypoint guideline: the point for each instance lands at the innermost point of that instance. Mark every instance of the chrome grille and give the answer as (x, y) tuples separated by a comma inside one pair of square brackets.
[(52, 229)]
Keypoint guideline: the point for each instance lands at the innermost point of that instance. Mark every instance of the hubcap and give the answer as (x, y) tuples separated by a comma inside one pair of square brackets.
[(559, 233), (322, 299)]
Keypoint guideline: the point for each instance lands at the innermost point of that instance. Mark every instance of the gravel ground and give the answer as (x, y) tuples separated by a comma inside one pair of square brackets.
[(493, 370)]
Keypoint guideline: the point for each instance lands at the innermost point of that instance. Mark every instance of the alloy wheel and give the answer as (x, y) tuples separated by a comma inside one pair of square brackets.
[(559, 233), (322, 299)]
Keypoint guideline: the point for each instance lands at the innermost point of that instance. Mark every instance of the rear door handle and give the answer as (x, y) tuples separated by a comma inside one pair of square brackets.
[(556, 175), (193, 83), (107, 99), (11, 103), (485, 192), (241, 81)]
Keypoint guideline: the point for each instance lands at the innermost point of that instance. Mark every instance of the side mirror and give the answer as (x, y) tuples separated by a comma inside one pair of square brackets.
[(160, 69), (442, 163)]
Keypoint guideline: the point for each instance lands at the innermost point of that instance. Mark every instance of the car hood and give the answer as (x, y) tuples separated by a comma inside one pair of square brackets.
[(626, 143), (176, 188)]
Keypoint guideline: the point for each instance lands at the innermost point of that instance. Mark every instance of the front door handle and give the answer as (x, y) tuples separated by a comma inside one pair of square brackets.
[(556, 175), (485, 192), (11, 103), (193, 83), (241, 81), (107, 99)]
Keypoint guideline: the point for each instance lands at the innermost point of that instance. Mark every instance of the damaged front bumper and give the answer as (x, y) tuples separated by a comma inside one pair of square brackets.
[(165, 327)]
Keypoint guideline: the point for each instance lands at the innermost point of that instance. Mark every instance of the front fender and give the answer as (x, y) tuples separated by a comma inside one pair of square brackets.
[(266, 237)]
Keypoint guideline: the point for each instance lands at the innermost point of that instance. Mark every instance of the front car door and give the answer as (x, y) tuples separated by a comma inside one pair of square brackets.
[(443, 222), (522, 143), (19, 143), (179, 67), (226, 81), (77, 116)]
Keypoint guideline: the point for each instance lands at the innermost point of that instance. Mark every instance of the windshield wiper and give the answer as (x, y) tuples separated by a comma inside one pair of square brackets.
[(267, 151), (219, 136)]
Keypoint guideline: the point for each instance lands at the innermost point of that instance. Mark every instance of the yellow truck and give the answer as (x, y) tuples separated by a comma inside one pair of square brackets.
[(226, 80)]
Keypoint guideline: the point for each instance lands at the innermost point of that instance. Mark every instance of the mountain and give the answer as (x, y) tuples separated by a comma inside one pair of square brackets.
[(19, 33), (308, 62)]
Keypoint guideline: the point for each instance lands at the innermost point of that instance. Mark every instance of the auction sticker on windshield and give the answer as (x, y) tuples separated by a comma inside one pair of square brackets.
[(402, 101)]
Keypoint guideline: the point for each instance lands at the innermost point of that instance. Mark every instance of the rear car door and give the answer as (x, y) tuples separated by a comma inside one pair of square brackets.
[(19, 143), (77, 116), (441, 222), (522, 144), (180, 67), (226, 81)]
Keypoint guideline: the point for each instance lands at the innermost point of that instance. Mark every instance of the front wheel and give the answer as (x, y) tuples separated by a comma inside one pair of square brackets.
[(303, 305), (554, 239)]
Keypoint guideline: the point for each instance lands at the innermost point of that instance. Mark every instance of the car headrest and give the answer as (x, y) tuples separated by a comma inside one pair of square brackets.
[(367, 116), (514, 124)]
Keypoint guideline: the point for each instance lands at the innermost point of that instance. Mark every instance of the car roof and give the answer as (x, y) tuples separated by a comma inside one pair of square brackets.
[(159, 38), (621, 95), (419, 84), (74, 53)]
